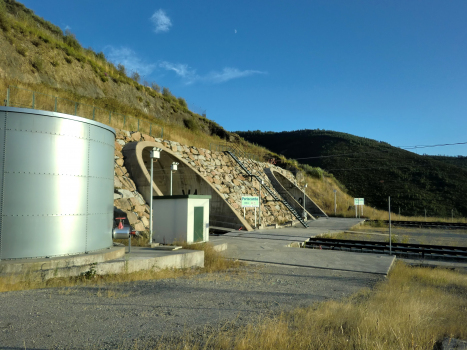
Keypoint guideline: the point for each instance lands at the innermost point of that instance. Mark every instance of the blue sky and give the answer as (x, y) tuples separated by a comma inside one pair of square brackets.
[(394, 71)]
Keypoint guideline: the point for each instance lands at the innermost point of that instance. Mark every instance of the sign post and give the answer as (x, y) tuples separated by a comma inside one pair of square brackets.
[(250, 202), (357, 202)]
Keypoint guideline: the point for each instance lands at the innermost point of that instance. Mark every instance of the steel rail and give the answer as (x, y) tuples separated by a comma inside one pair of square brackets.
[(423, 251), (450, 225)]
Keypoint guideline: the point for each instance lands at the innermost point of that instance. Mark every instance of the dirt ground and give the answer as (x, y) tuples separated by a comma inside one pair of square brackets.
[(119, 315)]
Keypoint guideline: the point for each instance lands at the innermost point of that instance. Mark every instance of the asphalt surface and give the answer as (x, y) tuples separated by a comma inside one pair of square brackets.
[(119, 315)]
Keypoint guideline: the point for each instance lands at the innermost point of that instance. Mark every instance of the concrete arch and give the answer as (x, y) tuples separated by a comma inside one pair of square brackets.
[(186, 180), (293, 194)]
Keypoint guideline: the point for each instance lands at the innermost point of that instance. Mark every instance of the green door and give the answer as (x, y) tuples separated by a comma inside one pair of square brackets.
[(198, 225)]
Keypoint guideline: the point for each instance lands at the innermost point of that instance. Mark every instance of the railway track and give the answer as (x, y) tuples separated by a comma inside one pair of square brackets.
[(408, 250), (448, 225)]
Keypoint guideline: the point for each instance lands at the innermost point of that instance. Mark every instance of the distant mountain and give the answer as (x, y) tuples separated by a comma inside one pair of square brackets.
[(459, 161), (375, 170)]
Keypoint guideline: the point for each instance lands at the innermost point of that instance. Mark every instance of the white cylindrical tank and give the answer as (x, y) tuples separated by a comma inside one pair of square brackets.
[(56, 184)]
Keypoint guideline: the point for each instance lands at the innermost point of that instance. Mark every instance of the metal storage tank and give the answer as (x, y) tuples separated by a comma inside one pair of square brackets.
[(56, 184)]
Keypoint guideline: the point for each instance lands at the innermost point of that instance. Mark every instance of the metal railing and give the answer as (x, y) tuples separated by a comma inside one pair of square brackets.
[(24, 98)]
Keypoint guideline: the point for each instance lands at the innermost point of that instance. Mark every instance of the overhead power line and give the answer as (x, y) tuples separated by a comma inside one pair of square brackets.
[(386, 167), (401, 147)]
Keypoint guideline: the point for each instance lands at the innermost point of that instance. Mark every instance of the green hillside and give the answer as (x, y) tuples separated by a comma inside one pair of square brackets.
[(375, 170)]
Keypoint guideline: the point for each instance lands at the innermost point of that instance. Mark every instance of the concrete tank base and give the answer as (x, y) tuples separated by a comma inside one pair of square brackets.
[(106, 262)]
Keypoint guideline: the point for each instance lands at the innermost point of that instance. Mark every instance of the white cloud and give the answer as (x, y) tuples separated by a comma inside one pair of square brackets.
[(189, 75), (180, 69), (129, 59), (230, 73), (161, 21)]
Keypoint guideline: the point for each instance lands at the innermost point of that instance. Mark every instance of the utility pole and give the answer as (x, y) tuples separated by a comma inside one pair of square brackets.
[(390, 243), (335, 203), (259, 215)]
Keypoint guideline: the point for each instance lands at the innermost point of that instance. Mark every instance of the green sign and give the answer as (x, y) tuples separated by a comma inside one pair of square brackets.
[(250, 202), (359, 201)]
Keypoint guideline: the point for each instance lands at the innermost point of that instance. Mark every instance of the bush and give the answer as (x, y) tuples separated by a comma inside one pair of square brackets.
[(317, 173), (191, 124), (156, 87), (71, 40), (68, 60), (44, 39), (182, 102), (37, 63), (121, 69), (100, 56), (36, 42), (21, 50), (136, 77), (166, 92), (4, 22)]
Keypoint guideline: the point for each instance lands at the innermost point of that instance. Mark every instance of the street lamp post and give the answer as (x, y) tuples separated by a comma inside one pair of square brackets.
[(173, 168), (154, 154)]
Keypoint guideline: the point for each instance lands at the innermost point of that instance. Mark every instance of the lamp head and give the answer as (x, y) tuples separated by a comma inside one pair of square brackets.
[(155, 153)]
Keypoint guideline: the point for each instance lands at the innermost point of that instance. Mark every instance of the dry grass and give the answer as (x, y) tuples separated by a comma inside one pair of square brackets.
[(413, 309), (213, 262), (321, 191)]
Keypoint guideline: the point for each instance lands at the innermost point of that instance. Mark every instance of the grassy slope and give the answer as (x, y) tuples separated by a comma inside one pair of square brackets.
[(40, 57), (375, 170)]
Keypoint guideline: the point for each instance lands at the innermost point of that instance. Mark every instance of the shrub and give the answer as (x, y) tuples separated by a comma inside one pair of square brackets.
[(100, 56), (191, 124), (136, 77), (54, 63), (4, 22), (182, 102), (156, 87), (44, 39), (166, 92), (36, 42), (21, 50), (317, 173), (71, 40), (68, 60), (139, 98), (121, 69), (37, 63)]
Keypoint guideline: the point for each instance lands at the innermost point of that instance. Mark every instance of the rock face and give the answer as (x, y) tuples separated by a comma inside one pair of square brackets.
[(219, 169)]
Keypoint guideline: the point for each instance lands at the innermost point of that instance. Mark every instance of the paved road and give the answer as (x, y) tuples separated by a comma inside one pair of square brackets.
[(271, 246)]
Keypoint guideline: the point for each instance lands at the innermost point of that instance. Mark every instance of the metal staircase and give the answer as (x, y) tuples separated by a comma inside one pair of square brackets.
[(249, 171)]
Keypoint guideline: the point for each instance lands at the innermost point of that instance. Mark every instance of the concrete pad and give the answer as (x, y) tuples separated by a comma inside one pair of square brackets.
[(273, 247), (140, 258)]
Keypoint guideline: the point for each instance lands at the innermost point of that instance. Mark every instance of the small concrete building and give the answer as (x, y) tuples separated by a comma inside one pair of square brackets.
[(180, 218)]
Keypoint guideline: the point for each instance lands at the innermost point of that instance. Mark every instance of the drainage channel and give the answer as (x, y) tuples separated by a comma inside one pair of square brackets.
[(407, 250)]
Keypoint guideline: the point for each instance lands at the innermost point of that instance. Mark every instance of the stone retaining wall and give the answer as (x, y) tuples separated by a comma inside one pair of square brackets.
[(217, 168)]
